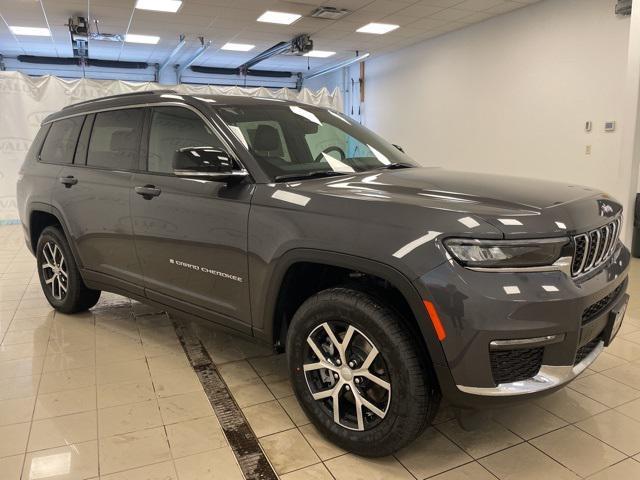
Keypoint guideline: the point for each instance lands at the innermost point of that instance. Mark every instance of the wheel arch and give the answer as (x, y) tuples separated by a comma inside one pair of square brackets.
[(276, 324), (41, 216)]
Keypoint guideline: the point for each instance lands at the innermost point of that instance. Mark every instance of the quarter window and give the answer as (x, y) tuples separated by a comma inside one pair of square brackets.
[(60, 144), (115, 139), (174, 128)]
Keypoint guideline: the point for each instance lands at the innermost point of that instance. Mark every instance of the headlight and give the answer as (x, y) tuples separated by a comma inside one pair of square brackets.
[(506, 253)]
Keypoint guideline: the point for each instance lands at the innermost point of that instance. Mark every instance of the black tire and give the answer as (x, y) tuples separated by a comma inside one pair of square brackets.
[(414, 392), (77, 297)]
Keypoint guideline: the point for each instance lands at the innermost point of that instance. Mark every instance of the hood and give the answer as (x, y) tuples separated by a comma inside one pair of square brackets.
[(518, 207)]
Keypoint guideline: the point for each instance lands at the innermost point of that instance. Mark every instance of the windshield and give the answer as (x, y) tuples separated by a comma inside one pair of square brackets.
[(291, 140)]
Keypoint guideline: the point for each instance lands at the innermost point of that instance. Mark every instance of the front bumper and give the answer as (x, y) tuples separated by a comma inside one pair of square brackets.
[(478, 308), (548, 377)]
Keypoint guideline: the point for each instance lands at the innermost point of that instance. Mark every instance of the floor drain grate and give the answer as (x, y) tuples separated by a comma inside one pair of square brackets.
[(243, 442)]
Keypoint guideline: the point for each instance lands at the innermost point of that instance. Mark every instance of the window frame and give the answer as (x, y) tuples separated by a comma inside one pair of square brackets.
[(144, 151), (46, 126), (93, 123), (144, 143), (49, 126), (85, 134)]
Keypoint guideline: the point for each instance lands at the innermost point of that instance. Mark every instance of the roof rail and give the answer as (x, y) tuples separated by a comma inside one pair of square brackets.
[(121, 95)]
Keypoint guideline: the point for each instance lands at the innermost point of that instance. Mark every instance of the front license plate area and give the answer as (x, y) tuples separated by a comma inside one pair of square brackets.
[(615, 320)]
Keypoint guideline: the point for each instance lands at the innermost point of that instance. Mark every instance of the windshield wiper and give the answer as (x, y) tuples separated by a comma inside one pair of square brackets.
[(305, 176), (396, 166)]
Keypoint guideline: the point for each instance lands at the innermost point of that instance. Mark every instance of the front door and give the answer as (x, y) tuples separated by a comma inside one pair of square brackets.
[(94, 194), (191, 235)]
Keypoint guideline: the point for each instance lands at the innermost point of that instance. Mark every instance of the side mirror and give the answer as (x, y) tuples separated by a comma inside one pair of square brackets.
[(206, 163)]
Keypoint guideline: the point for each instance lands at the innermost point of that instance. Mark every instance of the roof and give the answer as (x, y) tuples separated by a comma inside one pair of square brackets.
[(156, 96)]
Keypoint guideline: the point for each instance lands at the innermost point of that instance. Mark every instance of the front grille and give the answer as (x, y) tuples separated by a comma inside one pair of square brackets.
[(586, 349), (595, 309), (591, 249), (514, 365)]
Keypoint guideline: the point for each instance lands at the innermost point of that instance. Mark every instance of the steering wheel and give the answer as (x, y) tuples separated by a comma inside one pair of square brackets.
[(328, 150)]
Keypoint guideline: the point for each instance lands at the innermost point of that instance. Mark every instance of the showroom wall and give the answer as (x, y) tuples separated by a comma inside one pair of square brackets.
[(511, 95), (330, 80)]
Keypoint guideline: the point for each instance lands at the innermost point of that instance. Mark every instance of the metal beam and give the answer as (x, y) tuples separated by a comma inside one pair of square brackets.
[(277, 49), (338, 66), (201, 49), (300, 44), (174, 52)]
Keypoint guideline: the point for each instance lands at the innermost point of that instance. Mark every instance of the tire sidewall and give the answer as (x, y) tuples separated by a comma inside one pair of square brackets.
[(370, 321), (51, 234)]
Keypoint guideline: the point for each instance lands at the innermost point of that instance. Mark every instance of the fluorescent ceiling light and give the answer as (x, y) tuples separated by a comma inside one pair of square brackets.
[(159, 5), (282, 18), (33, 31), (319, 54), (377, 28), (149, 39), (238, 47)]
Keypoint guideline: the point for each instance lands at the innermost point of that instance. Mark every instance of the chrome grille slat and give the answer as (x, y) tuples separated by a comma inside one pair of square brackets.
[(605, 246), (594, 237), (601, 246), (579, 261), (616, 232), (594, 247)]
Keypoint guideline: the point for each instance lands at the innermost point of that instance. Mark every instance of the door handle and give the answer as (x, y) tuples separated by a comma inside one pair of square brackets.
[(69, 181), (148, 191)]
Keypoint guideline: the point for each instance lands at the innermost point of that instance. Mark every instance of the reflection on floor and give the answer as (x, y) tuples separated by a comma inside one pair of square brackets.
[(110, 394)]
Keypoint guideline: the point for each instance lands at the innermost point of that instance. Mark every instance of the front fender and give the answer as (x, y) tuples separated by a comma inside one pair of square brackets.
[(267, 280)]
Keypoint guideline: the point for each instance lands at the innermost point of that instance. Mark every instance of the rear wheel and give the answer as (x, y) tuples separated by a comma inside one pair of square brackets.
[(357, 373), (59, 275)]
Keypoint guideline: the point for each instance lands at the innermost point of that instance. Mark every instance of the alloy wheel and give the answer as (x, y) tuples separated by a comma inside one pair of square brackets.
[(347, 375), (54, 270)]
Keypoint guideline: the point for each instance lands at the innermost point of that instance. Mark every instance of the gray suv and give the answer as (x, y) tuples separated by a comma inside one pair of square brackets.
[(388, 284)]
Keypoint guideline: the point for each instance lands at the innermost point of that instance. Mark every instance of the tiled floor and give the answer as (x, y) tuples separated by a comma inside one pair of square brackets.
[(110, 394)]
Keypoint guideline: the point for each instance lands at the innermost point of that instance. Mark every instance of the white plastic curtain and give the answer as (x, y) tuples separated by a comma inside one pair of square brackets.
[(26, 101)]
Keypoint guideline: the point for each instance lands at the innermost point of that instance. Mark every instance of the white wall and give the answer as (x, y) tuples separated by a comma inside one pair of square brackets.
[(511, 94), (330, 81)]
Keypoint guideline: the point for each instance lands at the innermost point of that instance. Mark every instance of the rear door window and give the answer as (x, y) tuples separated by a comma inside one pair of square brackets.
[(60, 144), (115, 139)]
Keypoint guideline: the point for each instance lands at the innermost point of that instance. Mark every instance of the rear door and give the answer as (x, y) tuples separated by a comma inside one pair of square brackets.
[(191, 235), (93, 195), (56, 151)]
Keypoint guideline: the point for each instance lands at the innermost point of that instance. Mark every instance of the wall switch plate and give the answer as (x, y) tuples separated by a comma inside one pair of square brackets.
[(587, 126), (609, 126)]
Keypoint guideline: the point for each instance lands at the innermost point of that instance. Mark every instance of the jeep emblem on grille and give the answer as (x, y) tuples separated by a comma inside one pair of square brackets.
[(605, 209)]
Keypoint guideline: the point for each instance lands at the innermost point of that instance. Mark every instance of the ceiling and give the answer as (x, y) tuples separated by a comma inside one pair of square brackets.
[(224, 21)]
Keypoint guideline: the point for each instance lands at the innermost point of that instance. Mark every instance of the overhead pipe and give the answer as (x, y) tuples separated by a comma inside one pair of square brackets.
[(203, 48), (302, 44), (236, 71), (93, 62), (277, 49), (48, 60), (338, 66), (173, 53)]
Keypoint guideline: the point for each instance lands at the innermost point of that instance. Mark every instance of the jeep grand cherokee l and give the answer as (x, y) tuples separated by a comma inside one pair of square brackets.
[(388, 284)]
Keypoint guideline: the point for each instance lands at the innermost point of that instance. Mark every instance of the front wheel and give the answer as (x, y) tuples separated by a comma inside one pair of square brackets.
[(59, 275), (357, 372)]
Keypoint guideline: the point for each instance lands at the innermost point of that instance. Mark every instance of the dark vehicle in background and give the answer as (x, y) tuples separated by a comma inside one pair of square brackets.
[(388, 284)]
